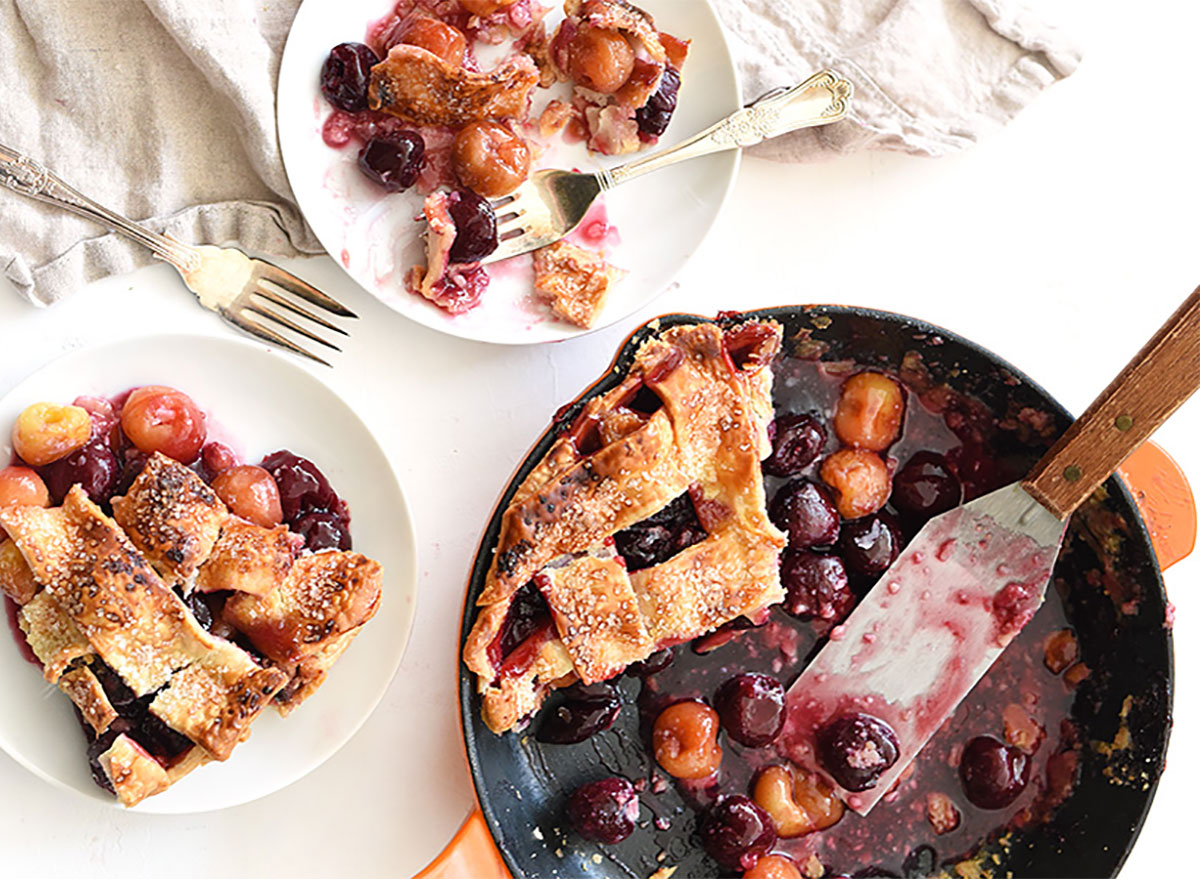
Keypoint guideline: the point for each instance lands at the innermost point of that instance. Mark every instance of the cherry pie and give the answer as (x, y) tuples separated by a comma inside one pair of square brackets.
[(174, 621), (743, 502), (687, 427)]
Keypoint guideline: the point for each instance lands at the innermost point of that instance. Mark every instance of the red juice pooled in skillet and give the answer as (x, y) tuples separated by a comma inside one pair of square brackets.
[(926, 819)]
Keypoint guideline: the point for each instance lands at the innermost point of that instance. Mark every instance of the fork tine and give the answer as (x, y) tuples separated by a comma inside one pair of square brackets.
[(522, 242), (290, 324), (507, 218), (289, 283), (253, 327), (262, 291), (505, 200)]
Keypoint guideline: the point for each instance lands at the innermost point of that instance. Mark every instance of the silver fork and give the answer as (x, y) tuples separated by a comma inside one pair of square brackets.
[(551, 203), (224, 279)]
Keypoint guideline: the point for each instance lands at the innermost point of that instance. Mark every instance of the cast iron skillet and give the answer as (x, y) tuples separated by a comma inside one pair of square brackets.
[(522, 785)]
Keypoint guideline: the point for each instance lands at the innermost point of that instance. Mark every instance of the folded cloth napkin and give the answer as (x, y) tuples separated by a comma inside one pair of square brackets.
[(164, 110)]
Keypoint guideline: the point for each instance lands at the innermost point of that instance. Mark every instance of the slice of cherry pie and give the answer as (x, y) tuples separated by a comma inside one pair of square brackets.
[(174, 622), (564, 600)]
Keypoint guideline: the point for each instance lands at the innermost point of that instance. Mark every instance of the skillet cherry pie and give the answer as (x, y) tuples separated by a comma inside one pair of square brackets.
[(681, 438), (643, 526), (172, 604)]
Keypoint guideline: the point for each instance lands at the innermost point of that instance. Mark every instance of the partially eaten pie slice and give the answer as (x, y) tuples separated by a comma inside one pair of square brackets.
[(570, 596)]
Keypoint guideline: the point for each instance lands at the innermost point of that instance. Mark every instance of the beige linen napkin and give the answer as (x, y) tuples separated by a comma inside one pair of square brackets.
[(164, 110)]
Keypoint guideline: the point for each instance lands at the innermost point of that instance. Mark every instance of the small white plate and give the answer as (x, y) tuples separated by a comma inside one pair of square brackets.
[(660, 220), (258, 403)]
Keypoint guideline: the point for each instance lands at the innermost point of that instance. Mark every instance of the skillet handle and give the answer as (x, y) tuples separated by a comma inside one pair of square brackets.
[(1148, 390), (1165, 500), (471, 853)]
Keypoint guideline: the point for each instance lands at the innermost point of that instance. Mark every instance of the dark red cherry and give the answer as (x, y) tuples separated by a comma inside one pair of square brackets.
[(200, 608), (346, 75), (123, 700), (604, 811), (132, 462), (645, 547), (302, 486), (652, 664), (669, 531), (870, 544), (856, 749), (94, 468), (817, 586), (751, 707), (796, 442), (925, 486), (736, 832), (475, 227), (583, 712), (993, 774), (395, 161), (654, 118), (159, 739), (807, 513), (323, 530), (527, 615)]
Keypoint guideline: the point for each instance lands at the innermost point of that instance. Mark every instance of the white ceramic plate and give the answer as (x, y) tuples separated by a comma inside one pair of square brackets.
[(660, 220), (259, 403)]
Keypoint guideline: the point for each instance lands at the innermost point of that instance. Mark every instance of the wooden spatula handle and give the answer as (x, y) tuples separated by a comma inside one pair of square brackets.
[(1154, 384)]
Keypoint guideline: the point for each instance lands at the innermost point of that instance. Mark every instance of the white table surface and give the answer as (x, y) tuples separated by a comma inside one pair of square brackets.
[(1060, 242)]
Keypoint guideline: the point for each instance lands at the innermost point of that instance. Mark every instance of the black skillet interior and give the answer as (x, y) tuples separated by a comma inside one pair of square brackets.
[(522, 786)]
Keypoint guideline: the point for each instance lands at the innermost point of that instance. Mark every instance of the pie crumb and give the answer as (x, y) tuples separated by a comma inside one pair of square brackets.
[(574, 282)]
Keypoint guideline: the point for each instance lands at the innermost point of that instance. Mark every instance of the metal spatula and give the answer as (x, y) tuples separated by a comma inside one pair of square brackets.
[(967, 584)]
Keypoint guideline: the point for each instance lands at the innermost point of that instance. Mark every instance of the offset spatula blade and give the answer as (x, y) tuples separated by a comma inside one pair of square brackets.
[(925, 634)]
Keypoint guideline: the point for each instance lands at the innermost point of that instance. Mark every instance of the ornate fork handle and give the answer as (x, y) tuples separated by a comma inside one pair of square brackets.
[(822, 98), (22, 174)]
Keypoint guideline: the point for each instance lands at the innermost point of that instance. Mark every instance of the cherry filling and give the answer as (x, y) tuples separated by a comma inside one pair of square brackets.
[(658, 372), (585, 436), (590, 433), (525, 629), (744, 346), (1013, 607), (475, 227), (641, 399), (311, 507), (134, 720), (665, 534)]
